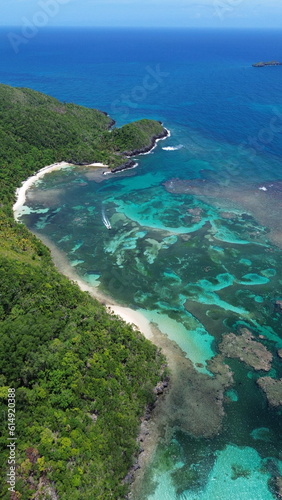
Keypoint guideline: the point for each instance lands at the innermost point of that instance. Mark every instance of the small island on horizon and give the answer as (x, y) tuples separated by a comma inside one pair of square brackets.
[(267, 63)]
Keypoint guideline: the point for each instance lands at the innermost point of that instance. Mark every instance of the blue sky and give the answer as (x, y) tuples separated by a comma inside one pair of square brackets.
[(182, 13)]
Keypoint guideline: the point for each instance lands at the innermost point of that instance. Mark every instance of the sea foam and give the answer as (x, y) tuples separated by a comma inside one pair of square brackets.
[(173, 148)]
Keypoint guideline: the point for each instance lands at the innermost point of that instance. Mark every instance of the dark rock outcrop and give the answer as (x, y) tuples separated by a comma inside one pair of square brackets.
[(135, 152), (148, 148)]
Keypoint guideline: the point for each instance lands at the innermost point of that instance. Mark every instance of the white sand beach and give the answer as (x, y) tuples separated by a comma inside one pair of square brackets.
[(21, 192), (133, 318)]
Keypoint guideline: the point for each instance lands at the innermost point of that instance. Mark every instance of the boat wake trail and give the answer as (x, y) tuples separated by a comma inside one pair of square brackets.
[(105, 219)]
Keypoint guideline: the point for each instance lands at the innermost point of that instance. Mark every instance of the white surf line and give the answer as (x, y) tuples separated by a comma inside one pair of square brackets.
[(156, 142)]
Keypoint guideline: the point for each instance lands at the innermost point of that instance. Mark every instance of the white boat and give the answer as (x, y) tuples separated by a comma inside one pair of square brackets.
[(105, 220)]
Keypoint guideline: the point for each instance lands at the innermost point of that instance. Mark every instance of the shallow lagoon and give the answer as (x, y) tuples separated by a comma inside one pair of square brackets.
[(197, 270)]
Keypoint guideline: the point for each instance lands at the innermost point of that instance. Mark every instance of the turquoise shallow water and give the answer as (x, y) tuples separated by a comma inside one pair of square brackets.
[(199, 263), (236, 474)]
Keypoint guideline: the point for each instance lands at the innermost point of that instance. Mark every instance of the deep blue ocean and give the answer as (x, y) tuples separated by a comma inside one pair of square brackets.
[(196, 234)]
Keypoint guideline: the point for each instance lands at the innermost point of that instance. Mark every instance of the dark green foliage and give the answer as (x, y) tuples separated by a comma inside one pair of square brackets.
[(137, 135), (82, 377)]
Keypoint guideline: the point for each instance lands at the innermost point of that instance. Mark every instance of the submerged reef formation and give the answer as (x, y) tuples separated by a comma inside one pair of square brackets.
[(262, 201), (272, 389), (194, 402), (249, 351)]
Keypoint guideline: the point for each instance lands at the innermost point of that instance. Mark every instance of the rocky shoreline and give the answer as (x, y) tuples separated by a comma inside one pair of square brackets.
[(127, 163), (192, 402), (159, 391)]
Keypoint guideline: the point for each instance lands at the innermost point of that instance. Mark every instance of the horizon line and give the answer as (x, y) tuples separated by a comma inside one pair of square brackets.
[(72, 26)]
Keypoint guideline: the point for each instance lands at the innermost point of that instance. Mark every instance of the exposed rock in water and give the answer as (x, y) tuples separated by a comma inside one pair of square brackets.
[(249, 351), (272, 389)]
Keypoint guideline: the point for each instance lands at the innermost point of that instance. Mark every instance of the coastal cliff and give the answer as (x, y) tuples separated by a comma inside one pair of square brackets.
[(82, 378), (138, 135)]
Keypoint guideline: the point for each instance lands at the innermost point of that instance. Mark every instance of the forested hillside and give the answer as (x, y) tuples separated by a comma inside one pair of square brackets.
[(82, 377), (38, 130)]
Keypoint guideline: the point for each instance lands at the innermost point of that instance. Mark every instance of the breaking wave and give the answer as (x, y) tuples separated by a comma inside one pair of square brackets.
[(173, 148)]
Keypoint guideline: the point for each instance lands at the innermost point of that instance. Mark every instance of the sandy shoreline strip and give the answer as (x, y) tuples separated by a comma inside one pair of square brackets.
[(133, 317), (97, 165), (125, 313)]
